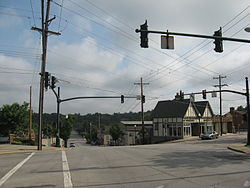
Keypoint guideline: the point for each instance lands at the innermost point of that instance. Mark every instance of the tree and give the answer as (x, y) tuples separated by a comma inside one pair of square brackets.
[(241, 108), (66, 128), (49, 129), (115, 132), (14, 119)]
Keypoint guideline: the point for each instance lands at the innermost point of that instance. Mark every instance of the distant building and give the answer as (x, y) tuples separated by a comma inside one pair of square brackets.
[(233, 121), (133, 132)]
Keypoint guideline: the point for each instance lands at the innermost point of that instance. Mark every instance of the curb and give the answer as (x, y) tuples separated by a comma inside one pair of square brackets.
[(236, 150)]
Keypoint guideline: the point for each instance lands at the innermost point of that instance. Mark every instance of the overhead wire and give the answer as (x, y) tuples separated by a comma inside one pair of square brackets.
[(130, 57), (31, 5), (208, 52), (205, 44), (122, 31)]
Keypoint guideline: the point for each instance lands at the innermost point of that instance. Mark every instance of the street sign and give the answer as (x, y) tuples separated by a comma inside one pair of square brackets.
[(214, 94), (167, 42)]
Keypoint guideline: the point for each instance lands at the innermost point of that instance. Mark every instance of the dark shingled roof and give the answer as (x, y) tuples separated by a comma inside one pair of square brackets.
[(178, 108), (171, 108), (201, 106)]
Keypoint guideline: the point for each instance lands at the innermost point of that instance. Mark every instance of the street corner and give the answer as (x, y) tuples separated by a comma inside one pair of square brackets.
[(239, 147)]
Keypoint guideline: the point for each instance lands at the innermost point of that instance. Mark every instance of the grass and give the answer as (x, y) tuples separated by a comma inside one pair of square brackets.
[(248, 146)]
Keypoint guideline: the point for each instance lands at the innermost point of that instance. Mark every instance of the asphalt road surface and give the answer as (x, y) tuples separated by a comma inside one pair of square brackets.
[(193, 164)]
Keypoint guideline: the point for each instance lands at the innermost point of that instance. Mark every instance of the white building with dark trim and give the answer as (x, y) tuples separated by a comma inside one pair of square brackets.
[(175, 119)]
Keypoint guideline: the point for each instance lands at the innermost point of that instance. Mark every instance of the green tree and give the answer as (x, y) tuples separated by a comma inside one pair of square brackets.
[(115, 132), (49, 129), (66, 128), (14, 119), (241, 108)]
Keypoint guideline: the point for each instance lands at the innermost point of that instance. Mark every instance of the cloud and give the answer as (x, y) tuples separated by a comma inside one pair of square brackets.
[(10, 15), (15, 78)]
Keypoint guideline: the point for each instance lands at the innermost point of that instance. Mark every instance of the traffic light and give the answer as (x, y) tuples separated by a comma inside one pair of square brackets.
[(218, 42), (143, 98), (53, 82), (144, 35), (122, 99), (47, 80), (204, 94)]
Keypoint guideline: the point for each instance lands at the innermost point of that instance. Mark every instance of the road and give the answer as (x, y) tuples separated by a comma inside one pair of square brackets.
[(191, 164)]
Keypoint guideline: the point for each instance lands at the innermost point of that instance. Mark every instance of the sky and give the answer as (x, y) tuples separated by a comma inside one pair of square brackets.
[(98, 52)]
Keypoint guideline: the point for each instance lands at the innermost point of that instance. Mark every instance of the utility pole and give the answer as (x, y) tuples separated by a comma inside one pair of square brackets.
[(248, 112), (30, 114), (58, 119), (45, 32), (142, 110), (220, 86)]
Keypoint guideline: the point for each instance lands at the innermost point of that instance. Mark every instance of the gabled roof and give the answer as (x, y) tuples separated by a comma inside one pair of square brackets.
[(178, 108), (171, 108), (201, 106)]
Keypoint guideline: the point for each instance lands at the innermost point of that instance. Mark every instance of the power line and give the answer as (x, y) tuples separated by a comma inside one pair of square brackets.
[(32, 12), (208, 41), (60, 17)]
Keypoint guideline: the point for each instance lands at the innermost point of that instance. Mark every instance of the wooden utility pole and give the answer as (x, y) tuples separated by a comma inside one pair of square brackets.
[(220, 86), (142, 108), (44, 30), (30, 114)]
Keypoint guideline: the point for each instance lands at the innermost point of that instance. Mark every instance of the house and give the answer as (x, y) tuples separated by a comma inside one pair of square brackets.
[(205, 116), (178, 118), (133, 132), (238, 120), (233, 121), (225, 123)]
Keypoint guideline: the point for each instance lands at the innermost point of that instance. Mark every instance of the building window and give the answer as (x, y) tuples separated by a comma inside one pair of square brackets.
[(156, 126), (170, 131), (187, 131), (174, 130), (179, 131)]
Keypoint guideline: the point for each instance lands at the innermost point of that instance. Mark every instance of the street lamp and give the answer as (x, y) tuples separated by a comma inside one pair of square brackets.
[(135, 134)]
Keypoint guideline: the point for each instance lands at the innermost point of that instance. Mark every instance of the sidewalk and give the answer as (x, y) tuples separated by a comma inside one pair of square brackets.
[(191, 138), (11, 148), (240, 147)]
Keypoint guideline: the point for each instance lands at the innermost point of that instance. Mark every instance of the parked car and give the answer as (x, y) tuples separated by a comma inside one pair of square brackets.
[(72, 145), (210, 135)]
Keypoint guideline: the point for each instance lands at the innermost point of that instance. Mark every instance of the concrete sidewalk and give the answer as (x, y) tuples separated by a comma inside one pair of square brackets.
[(11, 148), (240, 147)]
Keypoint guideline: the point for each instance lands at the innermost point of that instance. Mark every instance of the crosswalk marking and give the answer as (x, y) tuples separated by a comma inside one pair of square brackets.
[(13, 170), (66, 172)]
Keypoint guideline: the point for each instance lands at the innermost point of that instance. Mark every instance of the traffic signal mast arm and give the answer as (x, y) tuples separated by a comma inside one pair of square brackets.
[(97, 97), (194, 35), (225, 90)]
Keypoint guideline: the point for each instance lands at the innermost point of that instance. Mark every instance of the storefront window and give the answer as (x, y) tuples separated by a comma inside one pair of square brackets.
[(179, 131)]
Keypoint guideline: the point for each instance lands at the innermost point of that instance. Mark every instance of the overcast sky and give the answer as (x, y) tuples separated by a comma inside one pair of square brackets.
[(98, 52)]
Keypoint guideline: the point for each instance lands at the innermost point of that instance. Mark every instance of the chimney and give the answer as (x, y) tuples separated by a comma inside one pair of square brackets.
[(231, 110)]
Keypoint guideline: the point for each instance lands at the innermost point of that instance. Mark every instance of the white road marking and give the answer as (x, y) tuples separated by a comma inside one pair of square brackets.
[(13, 170), (161, 186), (247, 184), (66, 172)]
